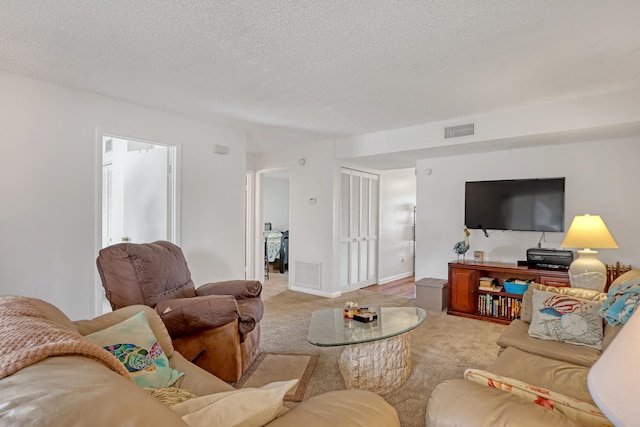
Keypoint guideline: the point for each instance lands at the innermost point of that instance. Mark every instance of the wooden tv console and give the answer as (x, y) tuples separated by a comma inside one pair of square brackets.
[(467, 300)]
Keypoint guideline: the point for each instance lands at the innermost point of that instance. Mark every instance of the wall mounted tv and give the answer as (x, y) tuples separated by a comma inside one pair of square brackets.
[(516, 204)]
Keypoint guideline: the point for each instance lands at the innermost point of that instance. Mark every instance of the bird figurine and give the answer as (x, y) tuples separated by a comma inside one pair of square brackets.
[(462, 247)]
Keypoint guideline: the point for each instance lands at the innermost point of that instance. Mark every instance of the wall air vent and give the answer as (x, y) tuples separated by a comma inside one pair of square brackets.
[(467, 129), (308, 275)]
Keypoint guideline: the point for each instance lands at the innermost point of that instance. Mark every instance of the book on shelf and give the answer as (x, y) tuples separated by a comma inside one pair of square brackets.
[(499, 306), (489, 284)]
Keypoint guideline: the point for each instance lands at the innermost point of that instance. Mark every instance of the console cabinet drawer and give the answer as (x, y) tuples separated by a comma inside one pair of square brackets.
[(554, 281)]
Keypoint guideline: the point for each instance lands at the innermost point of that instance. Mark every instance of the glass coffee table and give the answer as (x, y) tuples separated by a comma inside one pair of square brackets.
[(377, 355)]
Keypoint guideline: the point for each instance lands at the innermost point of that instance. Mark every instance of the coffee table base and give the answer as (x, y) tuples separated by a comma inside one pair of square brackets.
[(379, 366)]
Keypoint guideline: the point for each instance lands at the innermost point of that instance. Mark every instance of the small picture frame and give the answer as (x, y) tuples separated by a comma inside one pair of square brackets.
[(267, 226)]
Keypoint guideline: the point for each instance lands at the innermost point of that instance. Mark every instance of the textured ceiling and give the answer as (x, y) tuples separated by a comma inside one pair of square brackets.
[(304, 70)]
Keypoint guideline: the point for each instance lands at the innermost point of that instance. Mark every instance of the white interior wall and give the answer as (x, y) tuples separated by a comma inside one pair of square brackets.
[(275, 202), (600, 179), (395, 242), (50, 191), (310, 224)]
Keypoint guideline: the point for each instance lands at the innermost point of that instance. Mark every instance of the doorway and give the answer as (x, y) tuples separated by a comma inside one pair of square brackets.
[(138, 194), (275, 211)]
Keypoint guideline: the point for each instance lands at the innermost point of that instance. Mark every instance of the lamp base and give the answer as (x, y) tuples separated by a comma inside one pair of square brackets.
[(587, 271)]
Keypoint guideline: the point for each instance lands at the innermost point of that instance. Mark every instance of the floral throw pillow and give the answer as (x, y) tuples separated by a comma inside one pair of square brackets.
[(133, 343), (581, 412), (566, 318)]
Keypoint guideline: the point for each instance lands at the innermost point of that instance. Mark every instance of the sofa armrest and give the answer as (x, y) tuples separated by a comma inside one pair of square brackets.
[(562, 377), (78, 391), (251, 312), (464, 403), (185, 316), (239, 289)]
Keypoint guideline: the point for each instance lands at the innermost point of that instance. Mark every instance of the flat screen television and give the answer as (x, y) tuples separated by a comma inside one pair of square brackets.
[(515, 204)]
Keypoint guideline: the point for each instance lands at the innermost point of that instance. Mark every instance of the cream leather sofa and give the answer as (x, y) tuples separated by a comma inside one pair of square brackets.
[(73, 390), (550, 365)]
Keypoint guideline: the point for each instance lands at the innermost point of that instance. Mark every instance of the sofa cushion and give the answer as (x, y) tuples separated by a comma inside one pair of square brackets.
[(566, 318), (133, 343), (344, 408), (551, 374), (251, 407), (195, 379), (584, 413), (517, 335)]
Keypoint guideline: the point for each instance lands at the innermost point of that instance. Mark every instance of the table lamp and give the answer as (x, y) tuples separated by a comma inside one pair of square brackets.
[(587, 271), (614, 380)]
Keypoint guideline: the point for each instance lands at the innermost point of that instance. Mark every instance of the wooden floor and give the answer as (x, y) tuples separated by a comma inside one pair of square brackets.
[(403, 287)]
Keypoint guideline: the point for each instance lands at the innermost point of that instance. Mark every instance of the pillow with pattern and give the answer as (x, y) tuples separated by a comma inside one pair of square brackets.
[(581, 412), (133, 343), (566, 318)]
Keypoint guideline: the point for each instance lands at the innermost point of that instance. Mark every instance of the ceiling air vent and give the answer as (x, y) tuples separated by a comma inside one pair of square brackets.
[(457, 131)]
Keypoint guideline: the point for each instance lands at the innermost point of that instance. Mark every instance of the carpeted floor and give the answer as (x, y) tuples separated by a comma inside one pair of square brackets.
[(442, 348)]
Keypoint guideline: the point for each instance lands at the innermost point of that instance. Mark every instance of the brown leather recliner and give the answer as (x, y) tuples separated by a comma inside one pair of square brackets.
[(216, 325)]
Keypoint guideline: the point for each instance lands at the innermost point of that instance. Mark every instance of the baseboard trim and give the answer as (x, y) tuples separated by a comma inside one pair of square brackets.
[(394, 278), (315, 292)]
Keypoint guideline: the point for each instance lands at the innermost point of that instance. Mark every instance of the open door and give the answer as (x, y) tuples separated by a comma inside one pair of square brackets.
[(138, 193)]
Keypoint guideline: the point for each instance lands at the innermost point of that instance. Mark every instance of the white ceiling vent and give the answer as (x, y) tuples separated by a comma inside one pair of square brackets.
[(467, 129)]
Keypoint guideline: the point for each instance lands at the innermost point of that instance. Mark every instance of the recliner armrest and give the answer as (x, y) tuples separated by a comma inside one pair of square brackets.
[(185, 316), (251, 312), (239, 289)]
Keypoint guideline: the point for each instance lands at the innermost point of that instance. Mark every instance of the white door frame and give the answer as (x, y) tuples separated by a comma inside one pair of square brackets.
[(250, 214), (173, 199)]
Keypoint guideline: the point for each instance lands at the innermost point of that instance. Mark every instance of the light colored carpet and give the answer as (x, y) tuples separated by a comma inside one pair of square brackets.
[(271, 367), (442, 348)]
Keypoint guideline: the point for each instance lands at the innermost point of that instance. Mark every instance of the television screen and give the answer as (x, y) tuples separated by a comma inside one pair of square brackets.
[(517, 204)]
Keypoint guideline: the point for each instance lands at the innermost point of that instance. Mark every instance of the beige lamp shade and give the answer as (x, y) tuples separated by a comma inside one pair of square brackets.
[(614, 380), (588, 231), (587, 271)]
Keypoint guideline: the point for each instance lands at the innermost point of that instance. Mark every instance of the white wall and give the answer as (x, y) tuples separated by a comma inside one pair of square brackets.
[(601, 178), (395, 242), (49, 191), (275, 202), (311, 226)]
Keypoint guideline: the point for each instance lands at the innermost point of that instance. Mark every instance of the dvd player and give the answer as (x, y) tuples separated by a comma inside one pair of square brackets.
[(556, 259)]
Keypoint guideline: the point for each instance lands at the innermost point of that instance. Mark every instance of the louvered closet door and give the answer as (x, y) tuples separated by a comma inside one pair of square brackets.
[(359, 225)]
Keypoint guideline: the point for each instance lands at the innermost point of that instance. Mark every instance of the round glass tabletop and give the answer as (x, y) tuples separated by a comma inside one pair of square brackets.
[(329, 327)]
